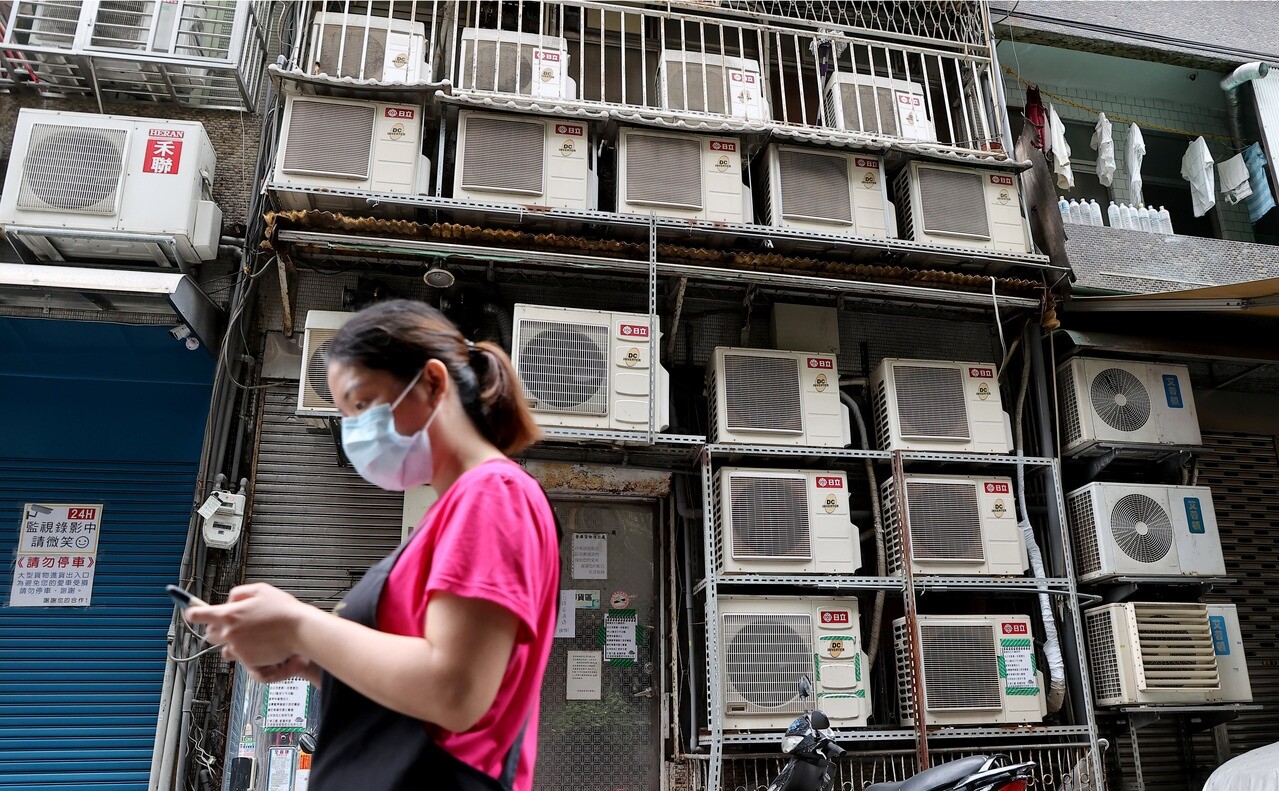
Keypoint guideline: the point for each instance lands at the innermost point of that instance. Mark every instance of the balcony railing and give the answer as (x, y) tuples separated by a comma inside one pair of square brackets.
[(873, 74), (198, 53)]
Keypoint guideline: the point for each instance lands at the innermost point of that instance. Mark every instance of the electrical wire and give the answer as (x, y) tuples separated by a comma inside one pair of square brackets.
[(999, 323), (195, 656)]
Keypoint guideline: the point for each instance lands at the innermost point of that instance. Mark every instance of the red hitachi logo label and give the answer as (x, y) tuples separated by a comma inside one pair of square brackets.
[(1014, 628), (863, 162), (723, 145), (830, 482), (570, 129), (821, 363), (981, 373), (741, 76), (547, 55), (997, 488), (835, 617), (633, 330), (175, 133), (1002, 181), (404, 113)]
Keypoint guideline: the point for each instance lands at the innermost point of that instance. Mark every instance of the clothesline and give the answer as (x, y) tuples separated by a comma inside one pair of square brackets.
[(1144, 124)]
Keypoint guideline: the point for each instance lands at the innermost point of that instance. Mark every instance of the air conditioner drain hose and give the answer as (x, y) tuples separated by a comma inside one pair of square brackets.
[(881, 558)]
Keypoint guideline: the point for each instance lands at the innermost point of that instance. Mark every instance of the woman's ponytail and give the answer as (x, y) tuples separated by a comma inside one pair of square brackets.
[(501, 400)]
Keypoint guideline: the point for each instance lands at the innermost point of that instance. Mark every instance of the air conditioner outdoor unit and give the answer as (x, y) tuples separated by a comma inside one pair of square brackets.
[(523, 159), (678, 175), (507, 61), (1113, 402), (977, 670), (765, 397), (936, 405), (769, 642), (827, 191), (1150, 653), (72, 175), (717, 84), (368, 47), (349, 144), (784, 522), (959, 525), (879, 106), (958, 206), (315, 400), (1144, 530), (588, 368)]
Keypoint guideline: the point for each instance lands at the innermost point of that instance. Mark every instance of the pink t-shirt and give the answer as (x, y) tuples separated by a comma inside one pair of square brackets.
[(491, 536)]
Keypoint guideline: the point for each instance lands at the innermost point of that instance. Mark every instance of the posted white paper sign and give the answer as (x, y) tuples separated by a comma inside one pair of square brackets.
[(280, 765), (584, 671), (619, 636), (590, 556), (566, 626), (1019, 664), (286, 703)]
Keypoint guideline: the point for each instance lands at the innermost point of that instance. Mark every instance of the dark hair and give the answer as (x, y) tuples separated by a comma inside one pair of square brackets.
[(400, 336)]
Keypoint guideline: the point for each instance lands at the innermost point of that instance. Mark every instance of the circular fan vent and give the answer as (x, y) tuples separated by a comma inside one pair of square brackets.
[(1141, 528), (72, 168), (563, 368), (764, 659), (1120, 399), (317, 371)]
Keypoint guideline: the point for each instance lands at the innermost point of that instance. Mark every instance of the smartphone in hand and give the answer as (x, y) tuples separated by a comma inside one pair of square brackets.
[(183, 597)]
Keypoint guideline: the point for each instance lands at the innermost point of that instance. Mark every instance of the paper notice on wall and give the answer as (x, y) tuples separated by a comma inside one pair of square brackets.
[(587, 600), (285, 708), (279, 770), (584, 671), (302, 779), (1019, 664), (590, 556), (619, 635), (566, 626), (57, 553)]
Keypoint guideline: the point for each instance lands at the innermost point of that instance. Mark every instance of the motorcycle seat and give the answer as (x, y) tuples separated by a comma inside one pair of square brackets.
[(937, 778)]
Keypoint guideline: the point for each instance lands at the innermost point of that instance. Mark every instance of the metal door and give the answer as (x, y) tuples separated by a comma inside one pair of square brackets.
[(613, 743)]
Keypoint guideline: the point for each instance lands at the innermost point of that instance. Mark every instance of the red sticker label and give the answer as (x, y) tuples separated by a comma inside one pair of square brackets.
[(723, 145), (830, 482), (177, 134), (863, 162), (981, 373), (910, 98), (162, 156), (835, 616), (570, 129), (547, 55), (821, 363), (634, 330), (405, 113), (82, 514), (1015, 628), (997, 488), (741, 76), (1003, 181)]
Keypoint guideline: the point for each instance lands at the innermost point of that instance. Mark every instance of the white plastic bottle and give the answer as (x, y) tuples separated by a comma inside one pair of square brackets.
[(1094, 213), (1112, 214), (1165, 220), (1064, 208), (1143, 215), (1131, 213), (1076, 212)]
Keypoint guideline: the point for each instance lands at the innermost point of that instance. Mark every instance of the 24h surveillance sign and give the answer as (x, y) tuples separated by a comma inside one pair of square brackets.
[(57, 553)]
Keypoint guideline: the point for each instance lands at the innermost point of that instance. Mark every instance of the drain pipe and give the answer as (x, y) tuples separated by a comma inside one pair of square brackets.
[(881, 556), (689, 514), (1245, 73)]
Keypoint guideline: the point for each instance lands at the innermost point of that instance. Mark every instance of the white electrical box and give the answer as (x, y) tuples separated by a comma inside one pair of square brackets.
[(805, 328), (223, 516)]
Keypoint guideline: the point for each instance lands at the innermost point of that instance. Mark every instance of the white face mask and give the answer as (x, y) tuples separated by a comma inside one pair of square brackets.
[(381, 455)]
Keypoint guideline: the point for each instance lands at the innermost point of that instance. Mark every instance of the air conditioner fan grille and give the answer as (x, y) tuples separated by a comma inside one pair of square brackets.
[(762, 394), (770, 517), (764, 656), (961, 670), (1120, 399), (330, 138), (931, 402), (945, 524), (1141, 528), (564, 367), (664, 171), (72, 168), (814, 186)]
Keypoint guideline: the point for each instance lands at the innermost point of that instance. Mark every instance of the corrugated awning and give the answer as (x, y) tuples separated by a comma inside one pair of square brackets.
[(1253, 298)]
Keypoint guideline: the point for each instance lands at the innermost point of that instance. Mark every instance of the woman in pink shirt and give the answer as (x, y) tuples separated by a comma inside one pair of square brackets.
[(431, 666)]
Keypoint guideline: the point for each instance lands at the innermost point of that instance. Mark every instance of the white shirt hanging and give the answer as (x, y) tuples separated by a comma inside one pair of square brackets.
[(1104, 144), (1136, 152), (1234, 179), (1196, 167), (1059, 151)]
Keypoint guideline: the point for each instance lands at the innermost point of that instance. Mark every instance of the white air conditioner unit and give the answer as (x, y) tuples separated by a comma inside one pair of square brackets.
[(765, 397), (367, 47), (827, 191), (961, 207), (1151, 653), (507, 61), (349, 144), (768, 642), (784, 522), (588, 368), (936, 405), (523, 159), (879, 106), (959, 525), (1114, 402), (1144, 530), (977, 670), (678, 175), (716, 84), (315, 400), (72, 175)]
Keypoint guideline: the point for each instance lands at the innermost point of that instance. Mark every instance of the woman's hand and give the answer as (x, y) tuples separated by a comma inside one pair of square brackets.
[(293, 666), (257, 626)]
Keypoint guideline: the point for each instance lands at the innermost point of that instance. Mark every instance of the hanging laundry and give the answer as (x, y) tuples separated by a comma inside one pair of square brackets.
[(1136, 152), (1038, 117), (1234, 179), (1262, 199), (1104, 144), (1196, 167), (1059, 151)]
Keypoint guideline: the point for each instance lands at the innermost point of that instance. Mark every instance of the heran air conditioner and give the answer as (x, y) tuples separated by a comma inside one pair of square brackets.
[(769, 642), (977, 670), (508, 61), (1144, 530), (588, 368), (349, 144), (523, 159), (74, 175), (779, 522), (1120, 403), (961, 207), (959, 525), (935, 405), (315, 400), (368, 48), (879, 106), (827, 191), (706, 83), (765, 397), (1159, 652), (678, 175)]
